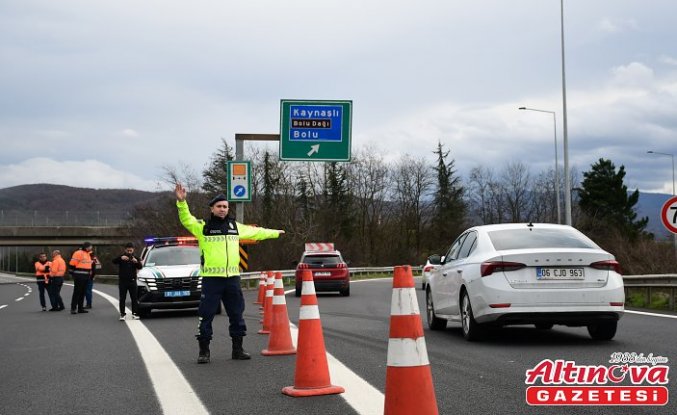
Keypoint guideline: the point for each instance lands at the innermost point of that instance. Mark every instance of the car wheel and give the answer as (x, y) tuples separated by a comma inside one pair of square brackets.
[(544, 326), (345, 292), (144, 312), (603, 331), (471, 328), (434, 322), (298, 291)]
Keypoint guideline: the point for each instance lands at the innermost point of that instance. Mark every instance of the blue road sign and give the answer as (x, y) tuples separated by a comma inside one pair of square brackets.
[(315, 123), (239, 191)]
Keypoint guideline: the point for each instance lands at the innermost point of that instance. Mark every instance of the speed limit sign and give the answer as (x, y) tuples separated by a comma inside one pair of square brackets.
[(669, 214)]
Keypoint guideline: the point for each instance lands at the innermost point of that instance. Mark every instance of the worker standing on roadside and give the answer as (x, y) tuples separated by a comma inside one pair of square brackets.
[(219, 238), (41, 277), (81, 269), (57, 270)]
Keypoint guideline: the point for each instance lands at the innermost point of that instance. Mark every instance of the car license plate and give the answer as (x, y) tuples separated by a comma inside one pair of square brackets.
[(551, 273), (185, 293), (323, 274)]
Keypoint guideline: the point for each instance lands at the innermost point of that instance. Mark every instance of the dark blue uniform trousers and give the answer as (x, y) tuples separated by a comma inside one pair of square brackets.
[(214, 291)]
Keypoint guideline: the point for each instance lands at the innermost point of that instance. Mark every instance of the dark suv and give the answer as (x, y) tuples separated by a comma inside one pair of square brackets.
[(170, 275), (330, 272)]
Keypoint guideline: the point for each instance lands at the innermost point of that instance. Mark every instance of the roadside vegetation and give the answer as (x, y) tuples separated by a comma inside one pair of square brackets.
[(389, 212)]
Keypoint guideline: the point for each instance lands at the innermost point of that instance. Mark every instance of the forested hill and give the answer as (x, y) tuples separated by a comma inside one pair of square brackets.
[(52, 197), (44, 197)]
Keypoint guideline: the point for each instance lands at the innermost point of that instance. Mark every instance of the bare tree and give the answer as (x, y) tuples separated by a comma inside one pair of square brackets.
[(516, 182), (370, 179), (413, 182), (543, 201), (486, 196)]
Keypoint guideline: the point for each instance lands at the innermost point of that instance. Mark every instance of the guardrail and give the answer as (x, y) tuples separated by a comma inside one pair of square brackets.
[(656, 291), (250, 279)]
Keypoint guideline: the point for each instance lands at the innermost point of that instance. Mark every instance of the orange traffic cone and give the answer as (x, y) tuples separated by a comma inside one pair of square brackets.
[(268, 306), (262, 289), (409, 384), (312, 371), (279, 341)]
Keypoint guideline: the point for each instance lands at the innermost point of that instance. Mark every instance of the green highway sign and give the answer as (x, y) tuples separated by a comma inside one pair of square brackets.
[(315, 130)]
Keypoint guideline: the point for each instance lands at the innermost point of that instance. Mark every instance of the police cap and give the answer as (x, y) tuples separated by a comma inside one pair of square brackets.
[(218, 198)]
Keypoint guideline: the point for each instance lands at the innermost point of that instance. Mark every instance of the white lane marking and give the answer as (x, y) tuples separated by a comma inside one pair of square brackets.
[(27, 294), (3, 306), (360, 394), (172, 389), (644, 313), (20, 298)]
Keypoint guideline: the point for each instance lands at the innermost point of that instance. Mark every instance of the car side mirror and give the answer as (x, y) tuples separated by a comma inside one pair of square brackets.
[(435, 259)]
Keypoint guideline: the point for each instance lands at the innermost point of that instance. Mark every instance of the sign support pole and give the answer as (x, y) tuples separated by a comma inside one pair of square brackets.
[(239, 156)]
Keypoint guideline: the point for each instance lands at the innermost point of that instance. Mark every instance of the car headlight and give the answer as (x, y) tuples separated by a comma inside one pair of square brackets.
[(149, 282)]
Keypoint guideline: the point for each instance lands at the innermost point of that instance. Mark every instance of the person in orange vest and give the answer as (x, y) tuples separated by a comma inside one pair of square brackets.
[(81, 269), (57, 270), (41, 277)]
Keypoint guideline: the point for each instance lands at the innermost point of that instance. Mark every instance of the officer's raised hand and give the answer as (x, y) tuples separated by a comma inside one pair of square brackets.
[(180, 192)]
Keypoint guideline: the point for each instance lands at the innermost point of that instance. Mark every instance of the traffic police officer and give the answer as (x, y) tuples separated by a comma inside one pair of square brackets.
[(218, 238)]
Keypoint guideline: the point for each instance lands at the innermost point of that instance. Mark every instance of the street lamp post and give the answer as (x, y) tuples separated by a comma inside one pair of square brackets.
[(557, 191), (565, 135), (672, 156)]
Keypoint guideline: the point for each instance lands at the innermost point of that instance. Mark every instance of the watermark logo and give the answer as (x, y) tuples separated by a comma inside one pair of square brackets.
[(629, 379)]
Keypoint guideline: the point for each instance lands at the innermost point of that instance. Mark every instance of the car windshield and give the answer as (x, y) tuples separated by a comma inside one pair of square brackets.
[(174, 255), (531, 238), (319, 260)]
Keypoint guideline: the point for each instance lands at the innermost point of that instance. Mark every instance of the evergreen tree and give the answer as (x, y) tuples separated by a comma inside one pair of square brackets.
[(270, 182), (604, 199), (449, 208), (215, 175), (303, 199), (337, 203)]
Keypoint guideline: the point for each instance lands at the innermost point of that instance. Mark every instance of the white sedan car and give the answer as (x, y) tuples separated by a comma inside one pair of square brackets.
[(541, 274), (431, 263)]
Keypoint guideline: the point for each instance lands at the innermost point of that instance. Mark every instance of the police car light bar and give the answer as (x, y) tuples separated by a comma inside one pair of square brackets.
[(319, 246), (169, 240)]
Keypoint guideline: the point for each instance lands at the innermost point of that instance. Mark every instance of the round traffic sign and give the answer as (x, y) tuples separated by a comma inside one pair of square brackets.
[(669, 214), (239, 191)]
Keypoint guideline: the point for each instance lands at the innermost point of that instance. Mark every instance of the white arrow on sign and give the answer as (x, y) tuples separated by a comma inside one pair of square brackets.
[(314, 149)]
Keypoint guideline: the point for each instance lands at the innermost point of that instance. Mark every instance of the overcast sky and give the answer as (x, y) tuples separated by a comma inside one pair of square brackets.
[(103, 94)]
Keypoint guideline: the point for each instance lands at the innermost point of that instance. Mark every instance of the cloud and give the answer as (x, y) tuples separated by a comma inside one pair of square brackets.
[(612, 25), (668, 60), (128, 132), (87, 173), (635, 73)]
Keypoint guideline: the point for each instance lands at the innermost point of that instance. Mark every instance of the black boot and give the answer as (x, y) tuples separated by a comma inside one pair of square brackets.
[(203, 357), (238, 352)]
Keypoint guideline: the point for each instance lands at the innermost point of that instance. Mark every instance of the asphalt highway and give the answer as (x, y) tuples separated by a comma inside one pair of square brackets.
[(57, 363)]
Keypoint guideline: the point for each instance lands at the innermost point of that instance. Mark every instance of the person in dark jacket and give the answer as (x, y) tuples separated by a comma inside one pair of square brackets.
[(128, 265)]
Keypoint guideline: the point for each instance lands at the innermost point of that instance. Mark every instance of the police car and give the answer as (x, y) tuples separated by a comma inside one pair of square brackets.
[(170, 277), (330, 271)]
